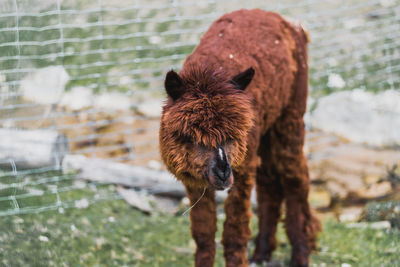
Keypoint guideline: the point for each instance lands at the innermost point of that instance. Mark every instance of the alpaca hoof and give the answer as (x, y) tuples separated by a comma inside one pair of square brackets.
[(258, 259), (298, 264)]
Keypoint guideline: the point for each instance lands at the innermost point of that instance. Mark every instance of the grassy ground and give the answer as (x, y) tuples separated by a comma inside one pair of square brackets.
[(113, 234)]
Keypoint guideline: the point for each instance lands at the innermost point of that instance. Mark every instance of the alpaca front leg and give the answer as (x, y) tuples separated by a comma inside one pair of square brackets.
[(203, 224), (236, 227)]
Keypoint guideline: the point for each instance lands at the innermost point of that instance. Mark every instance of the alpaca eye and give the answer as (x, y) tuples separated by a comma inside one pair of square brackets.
[(186, 139), (228, 141)]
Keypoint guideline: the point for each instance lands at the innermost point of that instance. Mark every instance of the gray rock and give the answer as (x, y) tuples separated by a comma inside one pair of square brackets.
[(151, 108), (31, 148), (112, 102), (77, 98), (45, 86), (360, 116), (133, 198)]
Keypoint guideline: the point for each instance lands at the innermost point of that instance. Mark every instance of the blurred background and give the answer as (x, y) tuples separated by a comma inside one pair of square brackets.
[(81, 91)]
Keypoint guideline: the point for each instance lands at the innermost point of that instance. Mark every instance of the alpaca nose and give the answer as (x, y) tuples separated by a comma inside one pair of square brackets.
[(222, 169), (223, 173)]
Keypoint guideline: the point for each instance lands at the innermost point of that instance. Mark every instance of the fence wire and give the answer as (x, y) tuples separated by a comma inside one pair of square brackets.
[(87, 70)]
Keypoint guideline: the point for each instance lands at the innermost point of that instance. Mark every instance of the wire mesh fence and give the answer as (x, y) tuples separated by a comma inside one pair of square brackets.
[(91, 72)]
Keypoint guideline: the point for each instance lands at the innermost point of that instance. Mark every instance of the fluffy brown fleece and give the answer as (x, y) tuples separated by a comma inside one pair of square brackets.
[(210, 112), (213, 110)]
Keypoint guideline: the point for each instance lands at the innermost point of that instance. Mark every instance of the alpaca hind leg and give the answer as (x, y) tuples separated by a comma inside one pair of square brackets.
[(301, 226), (269, 198)]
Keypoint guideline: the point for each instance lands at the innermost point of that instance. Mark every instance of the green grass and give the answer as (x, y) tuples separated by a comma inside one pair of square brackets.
[(31, 192), (113, 234)]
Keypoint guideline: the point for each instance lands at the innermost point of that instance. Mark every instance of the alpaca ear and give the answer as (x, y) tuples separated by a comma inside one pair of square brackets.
[(242, 80), (173, 85)]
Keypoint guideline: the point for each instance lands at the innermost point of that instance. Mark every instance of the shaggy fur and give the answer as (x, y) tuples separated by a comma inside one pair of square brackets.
[(211, 129)]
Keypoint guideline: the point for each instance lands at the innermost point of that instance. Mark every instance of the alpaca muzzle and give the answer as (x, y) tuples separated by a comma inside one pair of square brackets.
[(220, 172)]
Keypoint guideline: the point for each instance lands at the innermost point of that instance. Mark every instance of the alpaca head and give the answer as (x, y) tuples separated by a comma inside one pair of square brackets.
[(204, 125)]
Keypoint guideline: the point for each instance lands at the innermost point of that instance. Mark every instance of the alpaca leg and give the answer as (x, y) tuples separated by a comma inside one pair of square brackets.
[(269, 198), (301, 226), (236, 227), (203, 225)]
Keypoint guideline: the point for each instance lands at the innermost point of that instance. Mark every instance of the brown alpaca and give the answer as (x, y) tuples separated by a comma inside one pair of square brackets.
[(234, 117)]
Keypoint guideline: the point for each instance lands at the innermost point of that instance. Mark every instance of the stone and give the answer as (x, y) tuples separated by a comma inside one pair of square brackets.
[(81, 203), (360, 116), (133, 198), (112, 101), (335, 81), (372, 225), (151, 108), (154, 164), (77, 98), (32, 148), (44, 86)]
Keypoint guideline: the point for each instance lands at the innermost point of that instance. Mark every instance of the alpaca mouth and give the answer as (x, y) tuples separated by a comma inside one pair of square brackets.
[(219, 184)]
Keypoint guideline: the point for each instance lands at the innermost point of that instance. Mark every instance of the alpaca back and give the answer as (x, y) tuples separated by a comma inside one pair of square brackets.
[(262, 40)]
